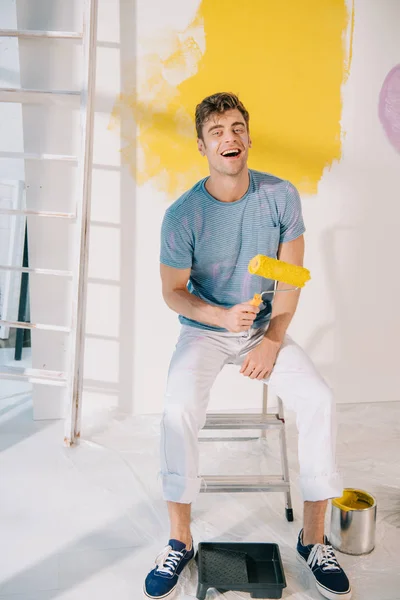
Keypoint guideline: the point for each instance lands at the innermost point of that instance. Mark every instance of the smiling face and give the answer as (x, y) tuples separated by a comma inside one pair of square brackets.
[(225, 142)]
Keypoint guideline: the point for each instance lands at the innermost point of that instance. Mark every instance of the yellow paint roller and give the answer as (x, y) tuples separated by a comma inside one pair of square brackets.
[(278, 270)]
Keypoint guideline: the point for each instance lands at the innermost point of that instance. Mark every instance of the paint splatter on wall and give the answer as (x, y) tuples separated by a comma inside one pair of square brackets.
[(389, 107), (287, 61)]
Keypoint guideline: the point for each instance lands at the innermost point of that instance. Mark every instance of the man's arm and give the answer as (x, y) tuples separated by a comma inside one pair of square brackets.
[(259, 363), (285, 303), (179, 299)]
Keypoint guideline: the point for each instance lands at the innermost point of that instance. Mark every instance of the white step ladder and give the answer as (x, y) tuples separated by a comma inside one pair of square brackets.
[(263, 422), (73, 377)]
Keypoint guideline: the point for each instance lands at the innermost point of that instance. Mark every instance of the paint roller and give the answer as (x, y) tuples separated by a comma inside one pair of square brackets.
[(278, 270)]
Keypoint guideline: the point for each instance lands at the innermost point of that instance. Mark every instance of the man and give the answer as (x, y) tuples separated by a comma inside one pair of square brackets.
[(208, 237)]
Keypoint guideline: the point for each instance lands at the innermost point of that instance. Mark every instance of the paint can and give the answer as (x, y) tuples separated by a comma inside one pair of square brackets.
[(353, 522)]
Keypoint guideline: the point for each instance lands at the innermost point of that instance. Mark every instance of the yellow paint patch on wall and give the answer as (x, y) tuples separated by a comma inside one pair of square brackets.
[(287, 61)]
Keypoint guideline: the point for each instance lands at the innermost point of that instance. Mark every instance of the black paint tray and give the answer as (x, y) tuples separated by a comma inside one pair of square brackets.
[(255, 568)]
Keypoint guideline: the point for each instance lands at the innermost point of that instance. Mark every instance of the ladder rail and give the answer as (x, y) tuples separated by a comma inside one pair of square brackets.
[(17, 199), (77, 338), (284, 460)]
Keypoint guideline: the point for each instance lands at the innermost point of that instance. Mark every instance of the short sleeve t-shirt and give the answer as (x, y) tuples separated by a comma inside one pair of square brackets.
[(217, 240)]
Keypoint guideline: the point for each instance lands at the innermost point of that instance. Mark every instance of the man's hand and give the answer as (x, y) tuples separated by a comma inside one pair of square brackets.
[(259, 363), (239, 318)]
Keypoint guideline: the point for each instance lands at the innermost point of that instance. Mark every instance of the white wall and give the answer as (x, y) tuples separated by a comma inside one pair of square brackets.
[(347, 319), (352, 239)]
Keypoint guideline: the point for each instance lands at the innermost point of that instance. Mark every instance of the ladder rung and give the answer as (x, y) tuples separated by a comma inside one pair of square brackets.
[(229, 439), (43, 326), (38, 213), (30, 33), (243, 483), (38, 156), (36, 271), (30, 95), (34, 375), (242, 421)]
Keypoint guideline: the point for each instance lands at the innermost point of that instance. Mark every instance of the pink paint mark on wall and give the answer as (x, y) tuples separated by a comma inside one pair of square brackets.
[(389, 107)]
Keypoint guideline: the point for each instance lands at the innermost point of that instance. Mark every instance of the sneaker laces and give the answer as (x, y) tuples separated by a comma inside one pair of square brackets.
[(324, 556), (168, 560)]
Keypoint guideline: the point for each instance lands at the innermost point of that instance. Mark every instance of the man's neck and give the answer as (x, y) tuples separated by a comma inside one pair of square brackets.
[(226, 188)]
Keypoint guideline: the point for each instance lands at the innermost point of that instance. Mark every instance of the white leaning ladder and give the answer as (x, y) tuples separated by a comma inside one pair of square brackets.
[(73, 377), (250, 483)]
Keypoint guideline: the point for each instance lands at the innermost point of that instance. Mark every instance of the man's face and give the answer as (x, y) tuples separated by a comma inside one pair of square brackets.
[(226, 142)]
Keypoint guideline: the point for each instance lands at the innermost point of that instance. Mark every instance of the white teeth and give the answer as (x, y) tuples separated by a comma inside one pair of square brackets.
[(230, 152)]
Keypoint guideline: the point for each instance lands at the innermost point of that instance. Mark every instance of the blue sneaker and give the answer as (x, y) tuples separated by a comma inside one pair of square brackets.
[(330, 579), (162, 581)]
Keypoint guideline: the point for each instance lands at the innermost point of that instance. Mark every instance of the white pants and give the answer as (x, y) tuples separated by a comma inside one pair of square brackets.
[(198, 358)]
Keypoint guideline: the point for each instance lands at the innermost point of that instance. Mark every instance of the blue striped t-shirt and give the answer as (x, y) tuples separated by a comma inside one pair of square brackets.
[(216, 240)]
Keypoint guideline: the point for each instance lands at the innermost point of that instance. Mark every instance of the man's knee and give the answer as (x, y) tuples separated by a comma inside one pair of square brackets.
[(184, 411), (178, 411)]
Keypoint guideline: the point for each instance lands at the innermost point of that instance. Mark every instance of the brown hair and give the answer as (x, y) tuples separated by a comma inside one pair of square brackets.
[(217, 103)]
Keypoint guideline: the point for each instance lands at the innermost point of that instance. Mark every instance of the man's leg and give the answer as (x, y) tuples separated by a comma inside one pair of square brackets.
[(314, 522), (198, 359), (296, 381), (302, 389), (180, 518)]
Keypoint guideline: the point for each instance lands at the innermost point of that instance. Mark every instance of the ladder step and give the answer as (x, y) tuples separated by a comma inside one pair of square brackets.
[(38, 156), (38, 213), (43, 326), (243, 483), (36, 271), (242, 421), (31, 33), (44, 376), (25, 95), (244, 438)]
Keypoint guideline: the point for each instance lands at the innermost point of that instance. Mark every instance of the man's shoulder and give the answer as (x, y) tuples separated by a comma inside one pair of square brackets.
[(276, 190), (186, 201), (264, 179)]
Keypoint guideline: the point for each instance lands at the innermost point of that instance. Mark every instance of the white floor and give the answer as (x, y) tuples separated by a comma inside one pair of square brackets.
[(86, 523)]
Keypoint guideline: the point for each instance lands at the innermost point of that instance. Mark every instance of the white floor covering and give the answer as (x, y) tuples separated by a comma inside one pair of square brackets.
[(86, 523)]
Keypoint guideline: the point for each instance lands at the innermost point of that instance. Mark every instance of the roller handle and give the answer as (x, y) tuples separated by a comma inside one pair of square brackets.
[(258, 298), (256, 301)]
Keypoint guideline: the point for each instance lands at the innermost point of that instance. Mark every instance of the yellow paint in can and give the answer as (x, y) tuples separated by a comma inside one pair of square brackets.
[(354, 499)]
